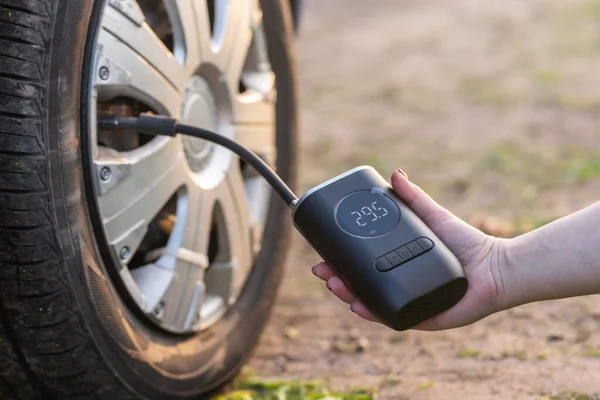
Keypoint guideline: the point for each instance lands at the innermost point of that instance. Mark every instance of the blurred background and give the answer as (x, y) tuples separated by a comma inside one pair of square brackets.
[(493, 108)]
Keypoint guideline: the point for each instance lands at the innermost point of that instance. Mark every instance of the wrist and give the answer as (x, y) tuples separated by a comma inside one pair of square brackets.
[(522, 281), (558, 260), (503, 273)]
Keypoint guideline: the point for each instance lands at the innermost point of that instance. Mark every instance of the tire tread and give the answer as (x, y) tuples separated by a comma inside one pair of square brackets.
[(47, 352), (46, 349)]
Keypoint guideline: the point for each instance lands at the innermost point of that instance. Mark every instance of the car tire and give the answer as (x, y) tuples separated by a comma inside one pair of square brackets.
[(65, 332)]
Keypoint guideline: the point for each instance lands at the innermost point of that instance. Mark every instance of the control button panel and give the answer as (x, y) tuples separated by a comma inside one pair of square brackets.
[(383, 264), (403, 254), (425, 243), (393, 258), (415, 248)]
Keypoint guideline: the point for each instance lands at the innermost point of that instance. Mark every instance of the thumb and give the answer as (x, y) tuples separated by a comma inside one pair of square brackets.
[(417, 200), (461, 238)]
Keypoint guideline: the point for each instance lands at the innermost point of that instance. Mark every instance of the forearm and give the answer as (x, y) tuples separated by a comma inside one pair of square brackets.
[(559, 260)]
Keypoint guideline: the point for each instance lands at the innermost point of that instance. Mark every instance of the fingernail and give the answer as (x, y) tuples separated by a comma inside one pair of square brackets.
[(313, 269), (402, 172), (327, 284), (352, 308)]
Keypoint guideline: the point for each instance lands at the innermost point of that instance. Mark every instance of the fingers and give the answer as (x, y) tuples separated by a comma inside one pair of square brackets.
[(338, 288), (423, 205), (361, 310), (334, 283), (323, 271), (341, 291)]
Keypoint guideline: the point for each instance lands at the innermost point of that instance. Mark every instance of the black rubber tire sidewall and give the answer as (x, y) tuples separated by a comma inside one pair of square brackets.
[(208, 359)]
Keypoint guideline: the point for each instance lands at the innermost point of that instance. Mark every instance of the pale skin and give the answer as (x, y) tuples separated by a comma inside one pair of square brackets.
[(558, 260)]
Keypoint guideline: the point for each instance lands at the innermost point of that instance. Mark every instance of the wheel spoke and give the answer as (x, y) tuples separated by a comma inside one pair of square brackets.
[(231, 36), (242, 17), (259, 138), (122, 72), (195, 294), (176, 303), (259, 195), (234, 262), (254, 108), (201, 221), (191, 25), (151, 283), (185, 255), (191, 290), (210, 308), (257, 74), (139, 184), (255, 125), (124, 19)]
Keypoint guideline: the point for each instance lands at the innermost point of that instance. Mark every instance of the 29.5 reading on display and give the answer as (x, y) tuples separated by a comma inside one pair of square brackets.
[(367, 214)]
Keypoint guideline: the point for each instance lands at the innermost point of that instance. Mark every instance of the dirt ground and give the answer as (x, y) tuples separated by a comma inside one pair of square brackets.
[(492, 107)]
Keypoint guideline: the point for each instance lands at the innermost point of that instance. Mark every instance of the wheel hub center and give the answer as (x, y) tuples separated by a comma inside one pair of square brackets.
[(207, 104), (199, 109)]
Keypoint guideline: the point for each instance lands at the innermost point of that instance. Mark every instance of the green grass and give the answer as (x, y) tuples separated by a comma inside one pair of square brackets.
[(582, 166), (388, 93), (488, 91), (410, 98), (587, 11), (575, 46), (575, 30), (397, 338), (292, 333), (292, 390), (569, 396), (575, 38), (567, 165), (542, 356), (518, 354), (547, 78), (425, 386), (577, 102), (468, 353), (594, 352), (504, 157)]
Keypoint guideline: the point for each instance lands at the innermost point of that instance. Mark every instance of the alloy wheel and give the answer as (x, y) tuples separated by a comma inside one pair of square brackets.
[(183, 218)]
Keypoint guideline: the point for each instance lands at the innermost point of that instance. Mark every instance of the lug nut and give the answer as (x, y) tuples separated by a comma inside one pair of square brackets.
[(124, 253), (105, 174), (104, 73)]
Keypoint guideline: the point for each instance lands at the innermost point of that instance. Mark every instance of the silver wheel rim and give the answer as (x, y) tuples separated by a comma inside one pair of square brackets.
[(179, 285)]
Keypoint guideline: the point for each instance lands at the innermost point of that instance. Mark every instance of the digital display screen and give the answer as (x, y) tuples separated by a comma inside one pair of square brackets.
[(367, 214)]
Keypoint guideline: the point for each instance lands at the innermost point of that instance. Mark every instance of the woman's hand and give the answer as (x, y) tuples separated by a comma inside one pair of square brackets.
[(477, 252)]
